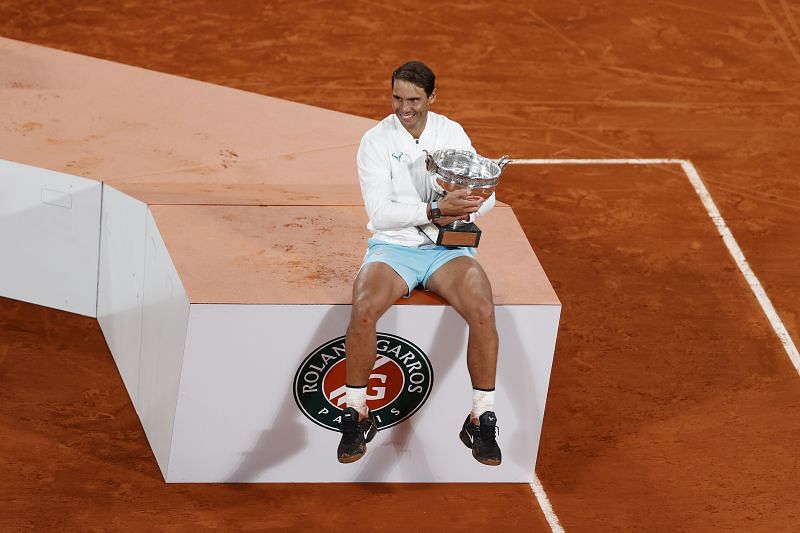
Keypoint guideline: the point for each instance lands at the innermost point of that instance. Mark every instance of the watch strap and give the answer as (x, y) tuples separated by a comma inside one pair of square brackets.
[(435, 211)]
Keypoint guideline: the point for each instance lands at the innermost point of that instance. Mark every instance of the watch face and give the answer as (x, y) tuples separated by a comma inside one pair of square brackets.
[(436, 213)]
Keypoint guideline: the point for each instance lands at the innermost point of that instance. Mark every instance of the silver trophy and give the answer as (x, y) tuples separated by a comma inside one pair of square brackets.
[(451, 170)]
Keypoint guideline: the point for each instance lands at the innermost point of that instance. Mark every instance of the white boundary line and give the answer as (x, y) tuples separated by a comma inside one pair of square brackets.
[(741, 262), (722, 228), (544, 503), (597, 161), (733, 247)]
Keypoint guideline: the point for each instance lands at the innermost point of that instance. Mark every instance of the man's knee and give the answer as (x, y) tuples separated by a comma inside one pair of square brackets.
[(365, 311), (480, 312)]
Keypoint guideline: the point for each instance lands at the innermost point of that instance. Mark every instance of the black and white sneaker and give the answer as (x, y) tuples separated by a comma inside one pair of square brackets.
[(355, 436), (482, 439)]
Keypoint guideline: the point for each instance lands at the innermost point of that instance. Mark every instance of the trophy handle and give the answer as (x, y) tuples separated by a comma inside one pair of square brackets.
[(503, 161), (430, 164)]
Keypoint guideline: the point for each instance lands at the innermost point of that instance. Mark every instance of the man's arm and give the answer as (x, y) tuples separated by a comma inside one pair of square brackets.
[(374, 174)]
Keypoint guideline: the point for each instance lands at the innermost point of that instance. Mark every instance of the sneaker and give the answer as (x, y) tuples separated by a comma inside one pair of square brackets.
[(482, 439), (355, 436)]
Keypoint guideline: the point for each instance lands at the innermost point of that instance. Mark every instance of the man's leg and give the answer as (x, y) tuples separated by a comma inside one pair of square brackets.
[(463, 283), (376, 288)]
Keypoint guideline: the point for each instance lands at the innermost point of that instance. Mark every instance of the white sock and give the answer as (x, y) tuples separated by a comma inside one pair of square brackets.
[(482, 401), (356, 397)]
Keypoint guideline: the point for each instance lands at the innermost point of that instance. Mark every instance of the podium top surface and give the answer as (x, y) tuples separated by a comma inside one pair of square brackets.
[(310, 255), (166, 139), (257, 198)]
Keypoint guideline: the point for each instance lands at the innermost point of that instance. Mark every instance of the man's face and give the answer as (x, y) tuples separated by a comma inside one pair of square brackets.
[(410, 104)]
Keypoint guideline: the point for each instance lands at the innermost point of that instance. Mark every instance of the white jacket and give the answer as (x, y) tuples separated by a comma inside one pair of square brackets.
[(394, 181)]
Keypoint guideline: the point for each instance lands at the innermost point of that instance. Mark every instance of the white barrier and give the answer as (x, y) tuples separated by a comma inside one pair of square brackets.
[(49, 234), (249, 410), (143, 312)]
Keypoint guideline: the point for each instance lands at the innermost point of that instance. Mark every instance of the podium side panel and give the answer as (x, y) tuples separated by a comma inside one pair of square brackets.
[(165, 315), (527, 346), (49, 237), (121, 282), (246, 410)]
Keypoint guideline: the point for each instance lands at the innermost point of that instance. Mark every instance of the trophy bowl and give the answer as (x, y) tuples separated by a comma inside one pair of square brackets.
[(452, 170), (460, 169)]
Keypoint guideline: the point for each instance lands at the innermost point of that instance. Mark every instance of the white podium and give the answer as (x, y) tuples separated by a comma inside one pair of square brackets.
[(218, 252), (240, 372)]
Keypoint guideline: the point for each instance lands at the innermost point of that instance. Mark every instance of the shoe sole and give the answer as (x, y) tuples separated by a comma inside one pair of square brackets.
[(487, 462), (351, 458)]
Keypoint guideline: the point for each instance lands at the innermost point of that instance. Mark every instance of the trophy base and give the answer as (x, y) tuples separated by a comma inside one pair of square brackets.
[(459, 235)]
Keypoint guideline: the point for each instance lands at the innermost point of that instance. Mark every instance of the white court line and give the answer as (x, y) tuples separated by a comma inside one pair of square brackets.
[(733, 247), (544, 503), (597, 161), (738, 256)]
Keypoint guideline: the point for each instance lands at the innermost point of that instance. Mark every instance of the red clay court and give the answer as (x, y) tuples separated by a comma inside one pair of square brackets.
[(672, 400)]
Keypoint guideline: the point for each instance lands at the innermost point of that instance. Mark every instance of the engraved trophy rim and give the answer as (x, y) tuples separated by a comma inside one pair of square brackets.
[(465, 168)]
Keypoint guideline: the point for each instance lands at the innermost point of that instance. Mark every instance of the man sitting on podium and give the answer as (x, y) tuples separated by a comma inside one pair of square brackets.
[(399, 198)]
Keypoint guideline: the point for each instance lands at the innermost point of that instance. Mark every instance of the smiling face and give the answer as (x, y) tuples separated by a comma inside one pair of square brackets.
[(410, 105)]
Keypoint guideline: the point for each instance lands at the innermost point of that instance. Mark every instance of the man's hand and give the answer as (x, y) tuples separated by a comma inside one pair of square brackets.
[(458, 204)]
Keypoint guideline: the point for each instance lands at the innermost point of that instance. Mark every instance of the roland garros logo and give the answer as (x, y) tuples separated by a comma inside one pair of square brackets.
[(399, 384)]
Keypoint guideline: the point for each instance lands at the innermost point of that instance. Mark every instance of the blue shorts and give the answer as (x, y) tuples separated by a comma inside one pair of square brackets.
[(414, 264)]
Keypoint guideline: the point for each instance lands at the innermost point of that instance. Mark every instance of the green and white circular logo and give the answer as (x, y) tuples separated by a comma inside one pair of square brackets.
[(399, 384)]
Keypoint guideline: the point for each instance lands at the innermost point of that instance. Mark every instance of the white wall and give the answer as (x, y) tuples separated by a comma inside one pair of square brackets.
[(121, 283), (49, 237), (165, 318), (237, 420)]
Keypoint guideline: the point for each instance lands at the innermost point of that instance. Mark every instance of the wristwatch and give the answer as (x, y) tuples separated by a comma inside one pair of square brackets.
[(435, 211)]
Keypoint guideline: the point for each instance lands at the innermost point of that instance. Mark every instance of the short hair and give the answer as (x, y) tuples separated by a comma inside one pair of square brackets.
[(418, 73)]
